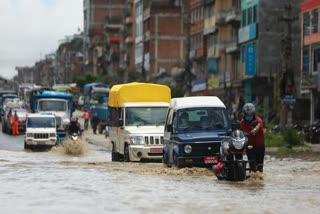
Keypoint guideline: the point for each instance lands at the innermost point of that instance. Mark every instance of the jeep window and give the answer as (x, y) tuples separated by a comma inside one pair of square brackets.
[(41, 122), (145, 116), (202, 118), (52, 105)]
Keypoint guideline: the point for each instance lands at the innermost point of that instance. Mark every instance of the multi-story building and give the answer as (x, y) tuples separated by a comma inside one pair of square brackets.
[(197, 50), (225, 40), (69, 59), (310, 55), (25, 74), (138, 41), (102, 25), (162, 36), (268, 39)]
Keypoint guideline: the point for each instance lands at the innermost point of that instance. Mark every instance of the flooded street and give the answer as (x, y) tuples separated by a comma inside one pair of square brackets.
[(53, 182)]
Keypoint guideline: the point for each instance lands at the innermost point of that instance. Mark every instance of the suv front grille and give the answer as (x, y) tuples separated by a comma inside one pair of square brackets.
[(41, 135), (153, 140)]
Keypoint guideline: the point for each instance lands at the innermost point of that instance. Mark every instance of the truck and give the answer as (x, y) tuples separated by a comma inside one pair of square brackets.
[(137, 116), (96, 100), (40, 130), (60, 104)]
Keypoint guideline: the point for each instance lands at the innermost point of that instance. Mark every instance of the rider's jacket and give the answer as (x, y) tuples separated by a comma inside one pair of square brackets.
[(254, 140), (74, 127)]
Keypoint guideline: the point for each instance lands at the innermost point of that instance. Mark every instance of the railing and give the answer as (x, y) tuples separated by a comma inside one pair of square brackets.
[(221, 16), (233, 14)]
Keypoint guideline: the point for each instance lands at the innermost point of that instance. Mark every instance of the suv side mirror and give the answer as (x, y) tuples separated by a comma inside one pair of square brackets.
[(169, 128), (120, 122)]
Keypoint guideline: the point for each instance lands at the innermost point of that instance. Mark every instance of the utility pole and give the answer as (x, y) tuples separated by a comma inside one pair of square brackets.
[(188, 64), (287, 79)]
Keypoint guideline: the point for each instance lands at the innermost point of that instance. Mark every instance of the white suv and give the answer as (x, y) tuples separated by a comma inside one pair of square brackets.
[(40, 130)]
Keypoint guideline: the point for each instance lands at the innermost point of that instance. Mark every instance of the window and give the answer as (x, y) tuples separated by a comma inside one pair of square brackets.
[(316, 59), (249, 15), (244, 18), (306, 23), (315, 20), (305, 61), (255, 13)]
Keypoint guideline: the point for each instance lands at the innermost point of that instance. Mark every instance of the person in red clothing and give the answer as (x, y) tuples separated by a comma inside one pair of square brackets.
[(15, 123), (252, 124)]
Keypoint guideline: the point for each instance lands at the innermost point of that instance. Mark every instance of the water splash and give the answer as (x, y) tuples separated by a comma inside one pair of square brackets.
[(70, 147)]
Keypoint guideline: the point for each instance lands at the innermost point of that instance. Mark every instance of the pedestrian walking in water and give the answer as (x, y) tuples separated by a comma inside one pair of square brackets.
[(15, 123)]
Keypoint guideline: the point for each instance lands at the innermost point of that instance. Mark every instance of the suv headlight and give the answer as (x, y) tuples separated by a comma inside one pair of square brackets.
[(52, 135), (187, 149), (29, 134), (137, 140)]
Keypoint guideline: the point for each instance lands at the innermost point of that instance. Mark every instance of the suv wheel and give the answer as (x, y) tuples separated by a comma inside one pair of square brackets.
[(126, 154), (114, 155)]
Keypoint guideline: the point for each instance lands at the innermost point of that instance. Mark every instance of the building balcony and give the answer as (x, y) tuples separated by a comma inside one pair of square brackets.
[(209, 25), (147, 35), (129, 40), (197, 27), (221, 17), (129, 20), (233, 15), (206, 2), (146, 13), (232, 46), (195, 3)]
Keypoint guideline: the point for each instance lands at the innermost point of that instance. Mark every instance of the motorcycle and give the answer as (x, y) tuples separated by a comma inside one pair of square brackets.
[(74, 145), (233, 160)]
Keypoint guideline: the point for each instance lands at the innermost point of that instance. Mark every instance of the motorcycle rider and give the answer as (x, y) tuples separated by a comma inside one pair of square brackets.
[(74, 126), (256, 137)]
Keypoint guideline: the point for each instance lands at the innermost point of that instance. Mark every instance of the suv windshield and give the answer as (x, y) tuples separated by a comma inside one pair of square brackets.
[(52, 105), (202, 118), (41, 122), (152, 116)]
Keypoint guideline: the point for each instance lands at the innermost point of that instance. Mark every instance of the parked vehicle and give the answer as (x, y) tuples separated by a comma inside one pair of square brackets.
[(138, 112), (315, 132), (40, 130), (194, 130), (58, 103), (96, 96)]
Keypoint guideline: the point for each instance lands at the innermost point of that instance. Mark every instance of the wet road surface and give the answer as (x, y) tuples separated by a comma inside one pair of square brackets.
[(53, 182)]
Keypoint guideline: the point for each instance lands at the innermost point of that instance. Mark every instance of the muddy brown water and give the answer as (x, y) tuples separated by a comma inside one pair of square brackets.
[(56, 182)]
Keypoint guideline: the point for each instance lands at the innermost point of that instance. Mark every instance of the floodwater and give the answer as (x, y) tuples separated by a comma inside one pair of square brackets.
[(56, 182)]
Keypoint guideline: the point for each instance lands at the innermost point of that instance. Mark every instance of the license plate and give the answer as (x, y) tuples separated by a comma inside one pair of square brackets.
[(156, 150), (210, 160)]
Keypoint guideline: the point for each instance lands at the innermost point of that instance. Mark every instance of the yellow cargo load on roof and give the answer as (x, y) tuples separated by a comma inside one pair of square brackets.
[(138, 92)]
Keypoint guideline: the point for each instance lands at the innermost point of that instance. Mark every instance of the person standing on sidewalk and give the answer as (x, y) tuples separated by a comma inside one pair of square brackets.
[(86, 119), (94, 122)]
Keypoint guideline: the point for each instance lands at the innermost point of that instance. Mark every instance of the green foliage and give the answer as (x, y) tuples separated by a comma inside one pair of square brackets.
[(292, 138), (176, 92), (287, 138), (273, 140), (111, 79), (135, 77), (88, 77)]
